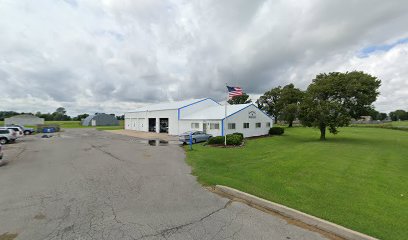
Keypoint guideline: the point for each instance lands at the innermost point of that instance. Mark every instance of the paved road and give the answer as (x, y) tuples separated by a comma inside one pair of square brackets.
[(87, 184)]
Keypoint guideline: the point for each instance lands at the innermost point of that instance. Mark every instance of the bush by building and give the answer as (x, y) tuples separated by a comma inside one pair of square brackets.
[(276, 131), (232, 140)]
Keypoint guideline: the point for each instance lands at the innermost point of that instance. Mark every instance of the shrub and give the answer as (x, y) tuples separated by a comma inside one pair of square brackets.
[(232, 139), (216, 140), (276, 131), (240, 134)]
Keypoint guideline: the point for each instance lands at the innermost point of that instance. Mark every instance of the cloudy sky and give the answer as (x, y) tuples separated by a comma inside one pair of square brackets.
[(116, 55)]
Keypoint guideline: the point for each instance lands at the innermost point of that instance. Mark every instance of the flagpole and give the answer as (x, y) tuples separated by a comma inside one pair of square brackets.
[(225, 118)]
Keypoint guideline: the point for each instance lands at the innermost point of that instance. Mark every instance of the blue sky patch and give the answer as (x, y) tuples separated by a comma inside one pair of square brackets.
[(365, 52)]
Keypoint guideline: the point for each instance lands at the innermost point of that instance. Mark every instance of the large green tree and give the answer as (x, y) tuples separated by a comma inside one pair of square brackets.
[(269, 102), (289, 103), (399, 115), (332, 99), (244, 98)]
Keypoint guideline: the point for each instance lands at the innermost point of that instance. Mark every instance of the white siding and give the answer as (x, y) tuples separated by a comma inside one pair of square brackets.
[(242, 117), (139, 121)]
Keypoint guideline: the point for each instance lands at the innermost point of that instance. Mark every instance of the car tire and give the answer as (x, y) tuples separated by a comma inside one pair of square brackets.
[(194, 141), (3, 141), (27, 132)]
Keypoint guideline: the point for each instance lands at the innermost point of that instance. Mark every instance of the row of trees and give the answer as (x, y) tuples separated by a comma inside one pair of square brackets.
[(60, 114), (329, 102), (399, 115)]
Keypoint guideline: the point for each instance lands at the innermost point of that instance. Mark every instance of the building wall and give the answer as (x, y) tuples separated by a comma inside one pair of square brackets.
[(244, 116), (139, 121), (25, 121), (105, 120)]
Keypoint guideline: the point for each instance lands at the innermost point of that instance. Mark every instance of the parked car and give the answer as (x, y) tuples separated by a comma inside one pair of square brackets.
[(197, 136), (7, 135), (18, 130), (26, 130)]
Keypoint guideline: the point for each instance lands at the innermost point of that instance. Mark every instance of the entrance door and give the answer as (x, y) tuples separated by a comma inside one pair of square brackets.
[(152, 124), (205, 127), (164, 125)]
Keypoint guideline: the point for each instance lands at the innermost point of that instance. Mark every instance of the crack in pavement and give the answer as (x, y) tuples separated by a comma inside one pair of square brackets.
[(168, 231), (107, 153)]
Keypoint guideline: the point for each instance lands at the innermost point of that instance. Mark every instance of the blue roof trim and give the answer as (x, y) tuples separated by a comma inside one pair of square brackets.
[(246, 108), (202, 100), (215, 101), (222, 127), (264, 113), (192, 103)]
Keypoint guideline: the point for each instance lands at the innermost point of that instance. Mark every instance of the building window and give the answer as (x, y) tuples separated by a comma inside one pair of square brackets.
[(195, 125), (231, 125), (214, 126), (268, 124), (246, 125), (257, 125)]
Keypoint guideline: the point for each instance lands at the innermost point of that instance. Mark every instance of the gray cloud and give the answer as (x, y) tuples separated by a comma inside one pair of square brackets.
[(113, 56)]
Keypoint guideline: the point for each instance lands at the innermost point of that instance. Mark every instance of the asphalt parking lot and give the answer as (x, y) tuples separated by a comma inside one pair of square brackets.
[(89, 184)]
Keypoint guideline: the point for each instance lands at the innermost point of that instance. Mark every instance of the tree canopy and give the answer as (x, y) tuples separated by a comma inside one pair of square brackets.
[(289, 103), (243, 99), (269, 102), (332, 99), (399, 115)]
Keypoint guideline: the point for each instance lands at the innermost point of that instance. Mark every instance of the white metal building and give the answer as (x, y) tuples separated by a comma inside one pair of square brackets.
[(199, 115)]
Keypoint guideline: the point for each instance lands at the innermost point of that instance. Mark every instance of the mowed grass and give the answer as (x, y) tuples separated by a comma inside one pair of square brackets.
[(77, 124), (358, 178)]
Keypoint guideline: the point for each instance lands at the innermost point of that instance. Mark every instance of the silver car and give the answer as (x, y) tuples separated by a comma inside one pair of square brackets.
[(7, 135), (19, 131), (197, 136)]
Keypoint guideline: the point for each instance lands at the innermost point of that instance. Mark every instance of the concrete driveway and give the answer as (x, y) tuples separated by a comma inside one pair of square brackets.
[(88, 184)]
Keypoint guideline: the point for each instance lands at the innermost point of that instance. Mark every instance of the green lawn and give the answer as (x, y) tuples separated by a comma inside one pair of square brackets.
[(77, 124), (358, 178)]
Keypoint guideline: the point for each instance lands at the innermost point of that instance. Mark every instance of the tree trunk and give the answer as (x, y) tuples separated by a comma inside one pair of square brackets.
[(276, 120), (323, 133), (291, 124)]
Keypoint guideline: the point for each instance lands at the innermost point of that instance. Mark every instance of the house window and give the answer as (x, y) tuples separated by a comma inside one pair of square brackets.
[(231, 125), (195, 125), (246, 125), (268, 124), (214, 126), (257, 125)]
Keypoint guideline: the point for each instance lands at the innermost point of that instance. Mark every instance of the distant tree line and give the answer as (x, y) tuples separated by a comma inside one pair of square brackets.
[(58, 115), (399, 115)]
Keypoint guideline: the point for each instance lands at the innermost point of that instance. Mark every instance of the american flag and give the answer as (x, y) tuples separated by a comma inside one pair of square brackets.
[(234, 91)]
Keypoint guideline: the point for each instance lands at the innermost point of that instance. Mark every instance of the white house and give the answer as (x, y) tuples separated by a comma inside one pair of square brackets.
[(199, 115)]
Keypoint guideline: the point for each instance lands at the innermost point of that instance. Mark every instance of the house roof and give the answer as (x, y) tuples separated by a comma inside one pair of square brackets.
[(24, 116), (169, 105), (216, 112)]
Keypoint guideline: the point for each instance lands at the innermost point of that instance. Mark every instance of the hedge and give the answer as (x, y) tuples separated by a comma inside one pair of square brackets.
[(276, 131), (232, 139)]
